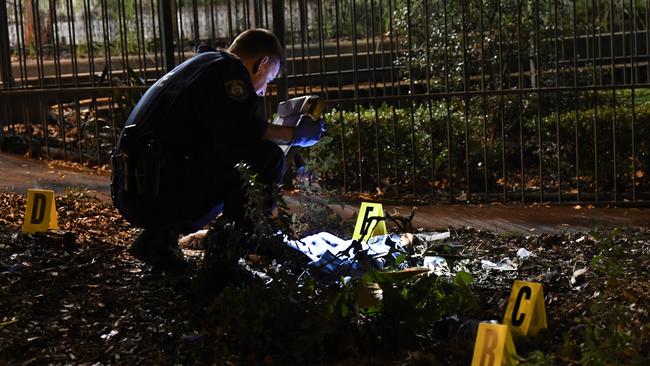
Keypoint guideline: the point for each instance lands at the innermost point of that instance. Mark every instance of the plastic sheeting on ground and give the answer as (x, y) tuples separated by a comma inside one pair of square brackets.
[(333, 258)]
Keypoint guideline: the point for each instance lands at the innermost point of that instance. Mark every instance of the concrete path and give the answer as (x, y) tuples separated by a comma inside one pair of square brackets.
[(513, 218), (17, 174)]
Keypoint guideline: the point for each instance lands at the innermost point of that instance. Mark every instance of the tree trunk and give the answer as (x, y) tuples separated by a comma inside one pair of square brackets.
[(34, 21), (29, 28)]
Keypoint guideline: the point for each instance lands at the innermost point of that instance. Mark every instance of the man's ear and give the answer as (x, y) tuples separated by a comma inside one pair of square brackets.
[(259, 62)]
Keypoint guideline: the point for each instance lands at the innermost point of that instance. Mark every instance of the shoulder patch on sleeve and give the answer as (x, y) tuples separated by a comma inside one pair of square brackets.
[(236, 90)]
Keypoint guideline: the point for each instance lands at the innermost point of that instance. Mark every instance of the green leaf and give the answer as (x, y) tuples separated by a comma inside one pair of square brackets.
[(463, 278), (400, 259)]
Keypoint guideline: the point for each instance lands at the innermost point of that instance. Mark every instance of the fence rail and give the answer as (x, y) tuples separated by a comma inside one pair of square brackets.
[(435, 100)]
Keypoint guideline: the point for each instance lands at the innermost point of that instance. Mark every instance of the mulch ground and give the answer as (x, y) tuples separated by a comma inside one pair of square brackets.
[(83, 299)]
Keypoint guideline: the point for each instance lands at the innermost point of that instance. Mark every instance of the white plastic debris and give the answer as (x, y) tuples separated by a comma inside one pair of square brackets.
[(433, 236), (577, 274), (437, 265), (504, 265), (110, 335), (523, 254)]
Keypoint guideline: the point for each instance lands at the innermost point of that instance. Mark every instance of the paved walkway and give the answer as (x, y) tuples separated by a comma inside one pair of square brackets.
[(514, 218), (17, 174)]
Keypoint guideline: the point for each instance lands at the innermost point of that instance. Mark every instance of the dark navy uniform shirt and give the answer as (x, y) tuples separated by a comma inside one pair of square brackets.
[(207, 102)]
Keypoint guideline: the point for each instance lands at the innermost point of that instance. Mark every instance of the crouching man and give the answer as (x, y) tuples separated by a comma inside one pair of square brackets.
[(173, 166)]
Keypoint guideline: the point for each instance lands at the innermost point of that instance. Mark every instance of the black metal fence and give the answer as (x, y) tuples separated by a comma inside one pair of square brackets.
[(440, 100)]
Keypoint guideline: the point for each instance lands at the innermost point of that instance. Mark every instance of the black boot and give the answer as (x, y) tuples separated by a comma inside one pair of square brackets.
[(160, 249)]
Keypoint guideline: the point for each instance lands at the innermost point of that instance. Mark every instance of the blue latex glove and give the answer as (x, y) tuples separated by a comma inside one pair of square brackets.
[(308, 131)]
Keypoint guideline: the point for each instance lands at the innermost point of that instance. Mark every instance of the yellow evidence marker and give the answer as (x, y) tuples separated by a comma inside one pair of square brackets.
[(494, 346), (40, 214), (526, 312), (370, 222)]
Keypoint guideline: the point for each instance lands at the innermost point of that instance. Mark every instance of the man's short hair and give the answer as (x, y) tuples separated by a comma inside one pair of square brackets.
[(255, 43)]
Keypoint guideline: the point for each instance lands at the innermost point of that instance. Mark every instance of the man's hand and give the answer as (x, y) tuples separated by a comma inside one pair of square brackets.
[(308, 131)]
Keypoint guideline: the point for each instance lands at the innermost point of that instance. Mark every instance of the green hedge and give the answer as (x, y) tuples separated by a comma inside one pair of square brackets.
[(397, 147)]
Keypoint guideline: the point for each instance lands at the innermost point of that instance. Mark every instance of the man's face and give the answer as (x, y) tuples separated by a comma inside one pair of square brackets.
[(266, 71)]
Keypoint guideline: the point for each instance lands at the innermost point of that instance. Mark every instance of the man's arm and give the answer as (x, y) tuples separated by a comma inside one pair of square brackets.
[(306, 134), (279, 134)]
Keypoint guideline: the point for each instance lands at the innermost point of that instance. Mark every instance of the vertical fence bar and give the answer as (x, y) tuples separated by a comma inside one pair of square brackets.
[(634, 79), (355, 71), (647, 39), (107, 45), (28, 128), (394, 89), (20, 34), (485, 164), (5, 56), (195, 23), (19, 41), (321, 45), (213, 33), (372, 87), (520, 97), (293, 49), (124, 42), (594, 82), (157, 44), (410, 51), (612, 83), (427, 77), (180, 34), (73, 42), (576, 96), (279, 31), (90, 43), (304, 44), (447, 104), (140, 38), (36, 15), (558, 145), (538, 85), (166, 34), (466, 99), (501, 106), (4, 119)]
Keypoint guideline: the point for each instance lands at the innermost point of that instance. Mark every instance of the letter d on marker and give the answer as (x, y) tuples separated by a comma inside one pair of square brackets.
[(38, 208), (40, 213)]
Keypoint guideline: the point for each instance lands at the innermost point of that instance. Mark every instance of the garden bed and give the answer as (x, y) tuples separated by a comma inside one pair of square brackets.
[(88, 301)]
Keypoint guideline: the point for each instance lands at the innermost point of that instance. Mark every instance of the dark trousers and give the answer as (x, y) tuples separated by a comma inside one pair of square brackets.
[(195, 191), (266, 160)]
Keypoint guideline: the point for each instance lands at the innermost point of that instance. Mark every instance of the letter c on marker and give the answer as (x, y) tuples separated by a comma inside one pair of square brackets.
[(525, 290)]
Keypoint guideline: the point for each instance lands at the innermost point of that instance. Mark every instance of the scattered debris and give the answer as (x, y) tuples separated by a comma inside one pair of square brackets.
[(523, 254), (504, 265), (578, 275), (87, 301)]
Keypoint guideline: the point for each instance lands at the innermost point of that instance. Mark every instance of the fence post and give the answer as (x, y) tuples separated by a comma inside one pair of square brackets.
[(166, 33), (278, 29), (5, 57)]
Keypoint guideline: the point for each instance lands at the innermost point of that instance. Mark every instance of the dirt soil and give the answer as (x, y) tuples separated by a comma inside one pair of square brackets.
[(83, 299)]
